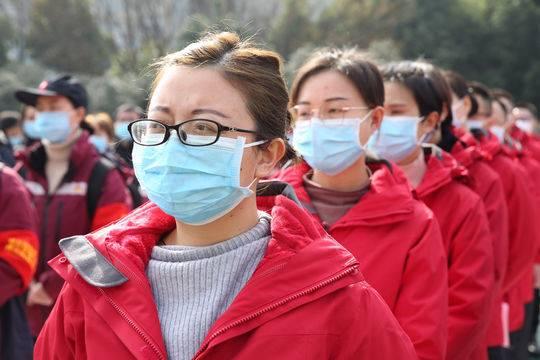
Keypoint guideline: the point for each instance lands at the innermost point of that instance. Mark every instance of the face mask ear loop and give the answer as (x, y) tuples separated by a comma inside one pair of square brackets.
[(363, 120), (426, 136), (256, 143)]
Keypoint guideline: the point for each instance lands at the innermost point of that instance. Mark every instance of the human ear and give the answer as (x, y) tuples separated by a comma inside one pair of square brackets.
[(268, 157)]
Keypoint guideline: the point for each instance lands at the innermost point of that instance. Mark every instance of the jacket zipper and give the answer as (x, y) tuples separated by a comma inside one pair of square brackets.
[(122, 313), (275, 305), (132, 323), (43, 236)]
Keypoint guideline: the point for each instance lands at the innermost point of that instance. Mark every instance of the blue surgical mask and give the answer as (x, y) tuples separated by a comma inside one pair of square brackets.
[(53, 126), (194, 184), (100, 143), (121, 130), (456, 120), (330, 146), (525, 125), (29, 128), (396, 138), (475, 124), (499, 132), (16, 142)]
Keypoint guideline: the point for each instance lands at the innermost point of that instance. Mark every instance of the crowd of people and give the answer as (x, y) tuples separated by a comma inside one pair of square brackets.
[(373, 211)]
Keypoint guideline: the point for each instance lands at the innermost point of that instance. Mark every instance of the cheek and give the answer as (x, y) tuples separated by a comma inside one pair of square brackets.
[(248, 167)]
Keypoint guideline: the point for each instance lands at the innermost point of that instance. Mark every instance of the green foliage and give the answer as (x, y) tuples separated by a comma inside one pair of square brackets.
[(489, 41), (292, 29), (65, 37), (6, 36), (493, 41)]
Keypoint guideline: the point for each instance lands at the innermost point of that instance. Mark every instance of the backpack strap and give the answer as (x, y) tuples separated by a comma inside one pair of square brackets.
[(95, 184)]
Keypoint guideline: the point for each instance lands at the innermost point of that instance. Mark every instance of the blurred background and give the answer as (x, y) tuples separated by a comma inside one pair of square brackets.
[(110, 43)]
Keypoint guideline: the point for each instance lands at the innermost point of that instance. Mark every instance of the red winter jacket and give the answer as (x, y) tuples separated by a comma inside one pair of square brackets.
[(522, 293), (398, 244), (465, 230), (18, 239), (64, 213), (530, 142), (487, 184), (520, 203), (306, 300)]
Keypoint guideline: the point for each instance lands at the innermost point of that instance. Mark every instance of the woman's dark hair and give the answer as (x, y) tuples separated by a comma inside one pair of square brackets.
[(480, 92), (459, 86), (502, 94), (364, 74), (501, 103), (255, 72), (430, 90)]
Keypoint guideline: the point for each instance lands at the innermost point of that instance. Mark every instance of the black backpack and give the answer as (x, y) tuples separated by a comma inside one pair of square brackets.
[(97, 180)]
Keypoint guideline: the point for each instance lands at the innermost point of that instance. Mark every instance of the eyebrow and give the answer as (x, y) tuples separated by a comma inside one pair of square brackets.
[(211, 111), (400, 104), (337, 98), (167, 110), (161, 108)]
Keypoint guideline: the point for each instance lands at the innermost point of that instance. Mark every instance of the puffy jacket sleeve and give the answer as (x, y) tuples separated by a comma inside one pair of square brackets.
[(470, 282), (18, 240), (422, 305), (375, 333), (114, 202)]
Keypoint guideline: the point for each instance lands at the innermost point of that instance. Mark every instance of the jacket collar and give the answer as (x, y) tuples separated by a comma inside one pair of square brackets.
[(300, 256), (82, 151), (388, 200), (442, 169)]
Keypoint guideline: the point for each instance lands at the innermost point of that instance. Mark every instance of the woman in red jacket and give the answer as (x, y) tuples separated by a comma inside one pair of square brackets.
[(199, 272), (417, 99), (367, 206), (488, 185)]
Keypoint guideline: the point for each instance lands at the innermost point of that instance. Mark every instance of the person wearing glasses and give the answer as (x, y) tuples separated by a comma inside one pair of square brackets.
[(366, 204), (207, 270)]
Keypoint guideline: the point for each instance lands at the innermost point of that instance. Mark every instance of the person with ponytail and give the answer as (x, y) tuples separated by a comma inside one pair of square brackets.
[(218, 265), (416, 105), (337, 100)]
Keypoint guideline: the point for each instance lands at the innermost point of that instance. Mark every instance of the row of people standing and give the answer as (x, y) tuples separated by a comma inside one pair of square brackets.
[(436, 217), (480, 189)]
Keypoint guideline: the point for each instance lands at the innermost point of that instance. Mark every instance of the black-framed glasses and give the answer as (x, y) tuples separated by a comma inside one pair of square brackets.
[(195, 132)]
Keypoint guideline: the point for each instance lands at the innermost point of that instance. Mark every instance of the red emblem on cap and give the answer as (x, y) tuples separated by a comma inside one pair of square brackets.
[(43, 85)]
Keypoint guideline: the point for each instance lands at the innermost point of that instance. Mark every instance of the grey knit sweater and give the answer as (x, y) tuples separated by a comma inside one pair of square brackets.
[(193, 286)]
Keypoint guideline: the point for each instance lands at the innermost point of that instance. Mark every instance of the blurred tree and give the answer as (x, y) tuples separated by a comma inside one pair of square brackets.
[(354, 22), (18, 13), (6, 37), (64, 36), (489, 41), (292, 29)]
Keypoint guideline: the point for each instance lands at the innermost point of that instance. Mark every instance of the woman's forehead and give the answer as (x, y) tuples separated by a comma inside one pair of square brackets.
[(183, 89)]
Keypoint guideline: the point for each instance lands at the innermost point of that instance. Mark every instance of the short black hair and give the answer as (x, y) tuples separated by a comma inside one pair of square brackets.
[(425, 81), (9, 119), (481, 91)]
